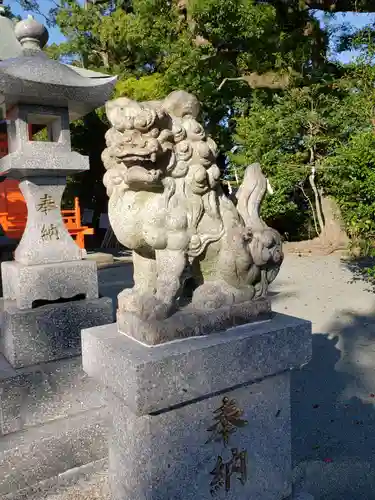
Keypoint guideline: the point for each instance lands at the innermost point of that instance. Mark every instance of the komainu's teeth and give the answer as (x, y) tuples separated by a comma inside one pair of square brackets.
[(153, 157)]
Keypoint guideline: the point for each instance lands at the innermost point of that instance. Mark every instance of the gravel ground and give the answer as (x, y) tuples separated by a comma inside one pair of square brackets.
[(333, 418), (332, 397)]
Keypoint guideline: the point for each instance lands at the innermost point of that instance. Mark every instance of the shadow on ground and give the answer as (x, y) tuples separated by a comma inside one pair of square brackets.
[(358, 267), (333, 417)]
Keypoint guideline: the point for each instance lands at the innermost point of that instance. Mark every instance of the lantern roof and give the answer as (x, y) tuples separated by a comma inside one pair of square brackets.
[(29, 76)]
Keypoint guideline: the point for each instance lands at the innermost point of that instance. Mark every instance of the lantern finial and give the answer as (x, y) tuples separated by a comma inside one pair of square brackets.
[(31, 34)]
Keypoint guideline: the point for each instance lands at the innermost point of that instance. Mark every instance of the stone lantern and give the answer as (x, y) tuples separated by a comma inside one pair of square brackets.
[(48, 264)]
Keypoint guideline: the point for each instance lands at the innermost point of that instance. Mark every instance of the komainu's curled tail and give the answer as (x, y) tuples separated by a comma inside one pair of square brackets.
[(265, 243), (250, 196)]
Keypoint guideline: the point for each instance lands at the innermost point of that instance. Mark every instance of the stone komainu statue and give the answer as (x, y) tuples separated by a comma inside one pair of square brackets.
[(167, 205)]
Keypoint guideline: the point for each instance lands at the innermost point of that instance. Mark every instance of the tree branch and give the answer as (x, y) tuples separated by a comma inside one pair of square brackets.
[(317, 199), (311, 207), (33, 6), (268, 80), (332, 5)]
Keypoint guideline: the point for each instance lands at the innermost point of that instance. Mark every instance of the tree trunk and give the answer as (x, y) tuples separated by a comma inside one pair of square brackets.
[(333, 237), (317, 201), (334, 233)]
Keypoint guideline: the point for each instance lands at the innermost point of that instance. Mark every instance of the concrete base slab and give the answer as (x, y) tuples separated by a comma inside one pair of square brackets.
[(43, 393), (100, 258), (46, 451), (88, 482)]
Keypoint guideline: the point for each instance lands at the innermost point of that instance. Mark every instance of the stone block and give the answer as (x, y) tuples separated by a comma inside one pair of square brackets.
[(152, 378), (200, 417), (49, 332), (46, 392), (45, 451), (53, 422), (56, 121), (86, 482), (42, 159), (65, 280)]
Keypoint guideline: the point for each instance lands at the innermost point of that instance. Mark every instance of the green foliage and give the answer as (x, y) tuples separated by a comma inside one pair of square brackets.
[(350, 177), (289, 135), (9, 14), (320, 122), (42, 135), (323, 123), (155, 47), (147, 87), (213, 41), (33, 6)]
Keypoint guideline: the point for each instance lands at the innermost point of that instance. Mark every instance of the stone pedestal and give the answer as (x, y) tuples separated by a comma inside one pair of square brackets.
[(200, 417), (52, 418), (45, 224), (53, 425)]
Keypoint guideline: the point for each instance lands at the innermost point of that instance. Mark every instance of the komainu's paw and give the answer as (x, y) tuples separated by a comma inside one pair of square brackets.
[(211, 296), (127, 300), (146, 306), (152, 308), (216, 294)]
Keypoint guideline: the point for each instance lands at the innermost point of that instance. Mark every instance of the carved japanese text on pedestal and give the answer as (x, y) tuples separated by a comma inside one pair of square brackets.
[(49, 232), (46, 204), (225, 472), (46, 239), (227, 421), (232, 468)]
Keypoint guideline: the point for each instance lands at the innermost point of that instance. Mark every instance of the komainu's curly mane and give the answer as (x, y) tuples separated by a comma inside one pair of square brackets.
[(167, 204)]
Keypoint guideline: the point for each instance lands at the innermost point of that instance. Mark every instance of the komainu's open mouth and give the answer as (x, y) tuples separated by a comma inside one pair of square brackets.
[(138, 156)]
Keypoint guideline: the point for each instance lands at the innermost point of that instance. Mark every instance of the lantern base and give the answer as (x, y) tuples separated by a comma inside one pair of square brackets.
[(49, 332), (29, 285)]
